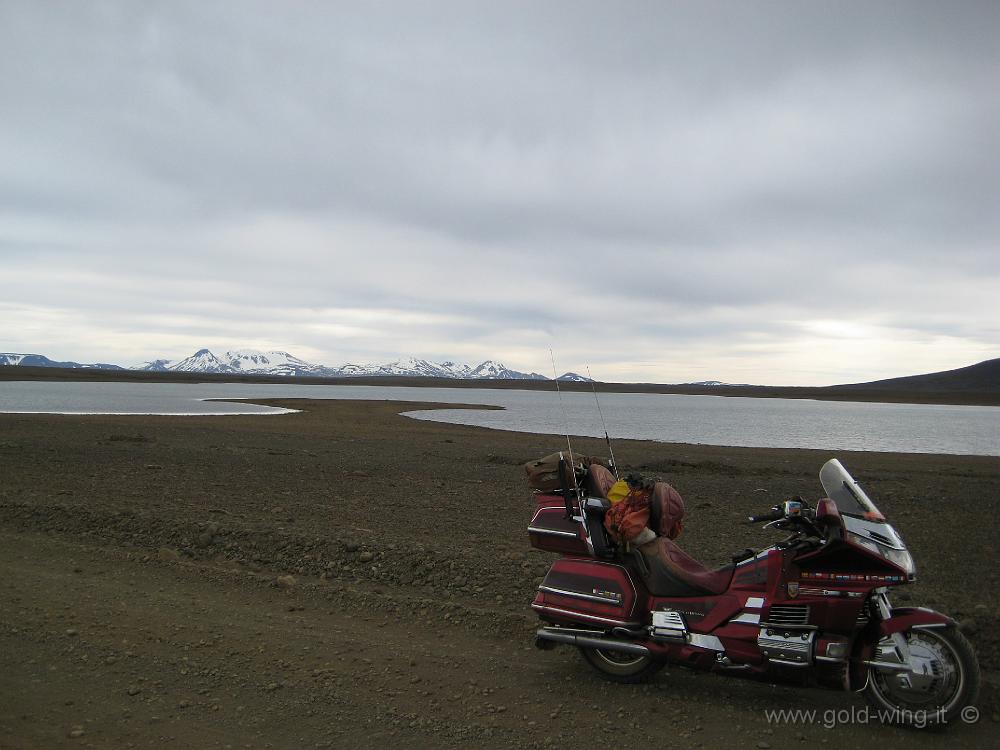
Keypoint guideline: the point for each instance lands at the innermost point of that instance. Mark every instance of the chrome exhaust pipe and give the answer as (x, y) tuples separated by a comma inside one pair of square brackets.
[(589, 641)]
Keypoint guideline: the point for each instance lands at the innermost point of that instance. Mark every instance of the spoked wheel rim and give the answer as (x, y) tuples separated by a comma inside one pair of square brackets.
[(621, 659), (621, 666), (936, 682)]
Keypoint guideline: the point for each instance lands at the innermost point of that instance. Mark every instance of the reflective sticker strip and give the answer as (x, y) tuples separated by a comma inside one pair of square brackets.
[(756, 558), (608, 597), (553, 532), (850, 577), (755, 602)]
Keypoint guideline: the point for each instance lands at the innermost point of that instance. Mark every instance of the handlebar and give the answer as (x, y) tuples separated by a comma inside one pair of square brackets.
[(775, 515), (793, 515)]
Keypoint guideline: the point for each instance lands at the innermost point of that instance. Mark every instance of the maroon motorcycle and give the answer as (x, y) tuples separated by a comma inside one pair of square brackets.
[(813, 608)]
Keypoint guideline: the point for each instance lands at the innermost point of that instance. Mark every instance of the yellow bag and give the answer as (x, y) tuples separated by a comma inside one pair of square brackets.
[(618, 491)]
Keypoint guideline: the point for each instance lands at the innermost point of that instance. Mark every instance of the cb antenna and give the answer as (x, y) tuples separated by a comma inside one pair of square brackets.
[(607, 438), (562, 408)]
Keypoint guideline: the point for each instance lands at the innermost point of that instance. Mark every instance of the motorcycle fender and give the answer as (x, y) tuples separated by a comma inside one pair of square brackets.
[(902, 619), (905, 618)]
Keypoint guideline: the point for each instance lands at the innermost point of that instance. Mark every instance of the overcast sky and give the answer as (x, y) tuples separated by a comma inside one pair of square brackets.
[(784, 193)]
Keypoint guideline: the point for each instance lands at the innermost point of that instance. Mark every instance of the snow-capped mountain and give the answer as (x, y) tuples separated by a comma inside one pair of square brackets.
[(457, 369), (201, 361), (269, 363), (575, 378), (492, 370), (411, 366), (414, 367), (249, 361), (157, 365), (351, 370), (253, 362)]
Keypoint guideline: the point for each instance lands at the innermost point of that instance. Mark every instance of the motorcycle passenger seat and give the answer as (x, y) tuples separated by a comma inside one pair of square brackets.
[(664, 566), (598, 481)]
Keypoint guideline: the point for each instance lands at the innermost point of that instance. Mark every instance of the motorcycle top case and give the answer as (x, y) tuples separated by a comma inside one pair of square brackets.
[(552, 531), (577, 591)]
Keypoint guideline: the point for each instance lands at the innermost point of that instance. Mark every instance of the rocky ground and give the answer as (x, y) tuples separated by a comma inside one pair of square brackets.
[(349, 577)]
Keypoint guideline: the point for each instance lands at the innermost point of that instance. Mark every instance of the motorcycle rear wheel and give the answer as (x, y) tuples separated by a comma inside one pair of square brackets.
[(949, 681), (619, 666)]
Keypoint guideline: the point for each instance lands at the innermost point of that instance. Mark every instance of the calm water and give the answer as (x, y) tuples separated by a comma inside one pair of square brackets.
[(713, 420)]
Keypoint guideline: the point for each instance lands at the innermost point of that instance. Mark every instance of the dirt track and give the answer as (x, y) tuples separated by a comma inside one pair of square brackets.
[(146, 597)]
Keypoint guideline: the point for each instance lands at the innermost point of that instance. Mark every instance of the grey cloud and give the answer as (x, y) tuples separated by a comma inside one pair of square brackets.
[(653, 175)]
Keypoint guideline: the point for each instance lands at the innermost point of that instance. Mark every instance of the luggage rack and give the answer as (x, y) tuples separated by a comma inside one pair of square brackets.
[(587, 511)]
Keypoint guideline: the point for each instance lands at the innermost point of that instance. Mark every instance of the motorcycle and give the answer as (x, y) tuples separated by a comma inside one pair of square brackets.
[(813, 608)]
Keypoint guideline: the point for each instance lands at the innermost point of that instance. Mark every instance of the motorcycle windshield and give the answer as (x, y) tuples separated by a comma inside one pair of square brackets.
[(840, 487)]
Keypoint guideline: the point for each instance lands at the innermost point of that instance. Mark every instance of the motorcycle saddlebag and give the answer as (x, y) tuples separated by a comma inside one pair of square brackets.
[(587, 592)]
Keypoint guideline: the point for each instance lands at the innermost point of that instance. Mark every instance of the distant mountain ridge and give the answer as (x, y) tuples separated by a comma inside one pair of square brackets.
[(280, 363), (39, 360), (983, 376)]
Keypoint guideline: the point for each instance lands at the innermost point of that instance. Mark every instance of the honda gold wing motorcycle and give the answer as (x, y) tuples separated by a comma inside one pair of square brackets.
[(814, 608)]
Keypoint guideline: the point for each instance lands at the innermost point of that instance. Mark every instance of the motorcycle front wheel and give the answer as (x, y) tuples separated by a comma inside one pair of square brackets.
[(946, 680), (619, 666)]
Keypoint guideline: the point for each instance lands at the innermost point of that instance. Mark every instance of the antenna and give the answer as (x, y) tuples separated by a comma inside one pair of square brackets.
[(607, 438), (562, 408)]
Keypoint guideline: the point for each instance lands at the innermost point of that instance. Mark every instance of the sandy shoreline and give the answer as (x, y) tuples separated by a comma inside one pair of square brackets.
[(396, 522)]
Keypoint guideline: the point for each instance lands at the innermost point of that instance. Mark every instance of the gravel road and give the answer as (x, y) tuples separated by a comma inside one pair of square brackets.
[(346, 577)]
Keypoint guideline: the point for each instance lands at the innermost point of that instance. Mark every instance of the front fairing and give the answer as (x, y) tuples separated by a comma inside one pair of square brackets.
[(843, 559), (863, 524), (882, 539)]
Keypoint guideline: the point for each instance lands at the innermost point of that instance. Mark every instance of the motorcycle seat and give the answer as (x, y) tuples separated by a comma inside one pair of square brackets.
[(670, 571), (598, 481)]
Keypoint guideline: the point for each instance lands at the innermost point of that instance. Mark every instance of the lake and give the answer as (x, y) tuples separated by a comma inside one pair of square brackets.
[(712, 420)]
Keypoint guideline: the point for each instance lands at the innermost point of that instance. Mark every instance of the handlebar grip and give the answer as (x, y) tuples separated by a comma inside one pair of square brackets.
[(774, 515)]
